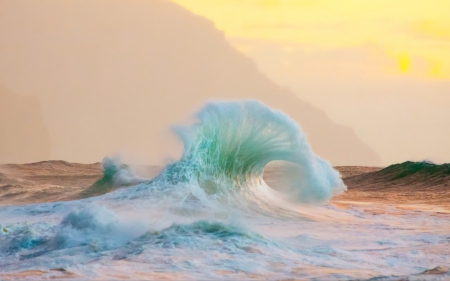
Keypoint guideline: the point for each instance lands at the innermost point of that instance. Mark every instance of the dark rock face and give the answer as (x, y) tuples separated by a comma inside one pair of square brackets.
[(23, 134), (116, 74)]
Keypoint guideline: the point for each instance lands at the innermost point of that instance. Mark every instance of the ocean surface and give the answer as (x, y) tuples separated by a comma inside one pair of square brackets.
[(211, 216)]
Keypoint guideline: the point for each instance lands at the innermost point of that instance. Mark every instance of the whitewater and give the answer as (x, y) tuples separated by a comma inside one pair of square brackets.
[(211, 215)]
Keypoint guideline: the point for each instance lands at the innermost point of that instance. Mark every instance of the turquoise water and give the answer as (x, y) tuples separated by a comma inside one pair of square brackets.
[(211, 216)]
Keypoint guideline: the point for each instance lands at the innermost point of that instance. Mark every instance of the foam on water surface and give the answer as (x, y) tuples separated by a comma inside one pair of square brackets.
[(212, 216)]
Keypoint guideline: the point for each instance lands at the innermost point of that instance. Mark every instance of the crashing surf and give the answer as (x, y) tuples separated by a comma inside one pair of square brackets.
[(209, 215)]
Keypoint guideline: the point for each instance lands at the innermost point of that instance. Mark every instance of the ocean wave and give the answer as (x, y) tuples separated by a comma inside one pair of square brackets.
[(227, 149)]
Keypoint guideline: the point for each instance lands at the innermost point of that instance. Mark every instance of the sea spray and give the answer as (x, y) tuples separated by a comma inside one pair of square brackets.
[(228, 148), (219, 177), (211, 216)]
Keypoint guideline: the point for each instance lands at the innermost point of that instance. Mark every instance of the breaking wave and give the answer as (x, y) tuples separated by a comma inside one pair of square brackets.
[(211, 215), (115, 175), (213, 199), (227, 150)]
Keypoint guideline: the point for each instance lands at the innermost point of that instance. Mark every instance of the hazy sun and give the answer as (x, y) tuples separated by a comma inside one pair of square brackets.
[(406, 31)]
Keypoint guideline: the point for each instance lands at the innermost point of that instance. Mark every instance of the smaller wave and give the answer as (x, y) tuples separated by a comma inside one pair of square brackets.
[(25, 238), (409, 168), (199, 235), (94, 229), (99, 229), (423, 182), (198, 229), (115, 175)]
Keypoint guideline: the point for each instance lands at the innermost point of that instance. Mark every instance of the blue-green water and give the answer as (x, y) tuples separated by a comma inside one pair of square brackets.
[(211, 216)]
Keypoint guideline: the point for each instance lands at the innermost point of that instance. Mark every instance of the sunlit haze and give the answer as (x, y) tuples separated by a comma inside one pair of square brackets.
[(368, 81), (413, 36)]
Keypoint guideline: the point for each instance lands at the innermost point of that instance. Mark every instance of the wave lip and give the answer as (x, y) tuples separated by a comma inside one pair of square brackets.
[(228, 148)]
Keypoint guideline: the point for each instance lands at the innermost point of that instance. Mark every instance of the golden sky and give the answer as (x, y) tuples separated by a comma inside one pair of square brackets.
[(381, 67), (413, 35)]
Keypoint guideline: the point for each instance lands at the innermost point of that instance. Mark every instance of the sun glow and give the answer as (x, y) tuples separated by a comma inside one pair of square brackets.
[(405, 62), (416, 34)]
